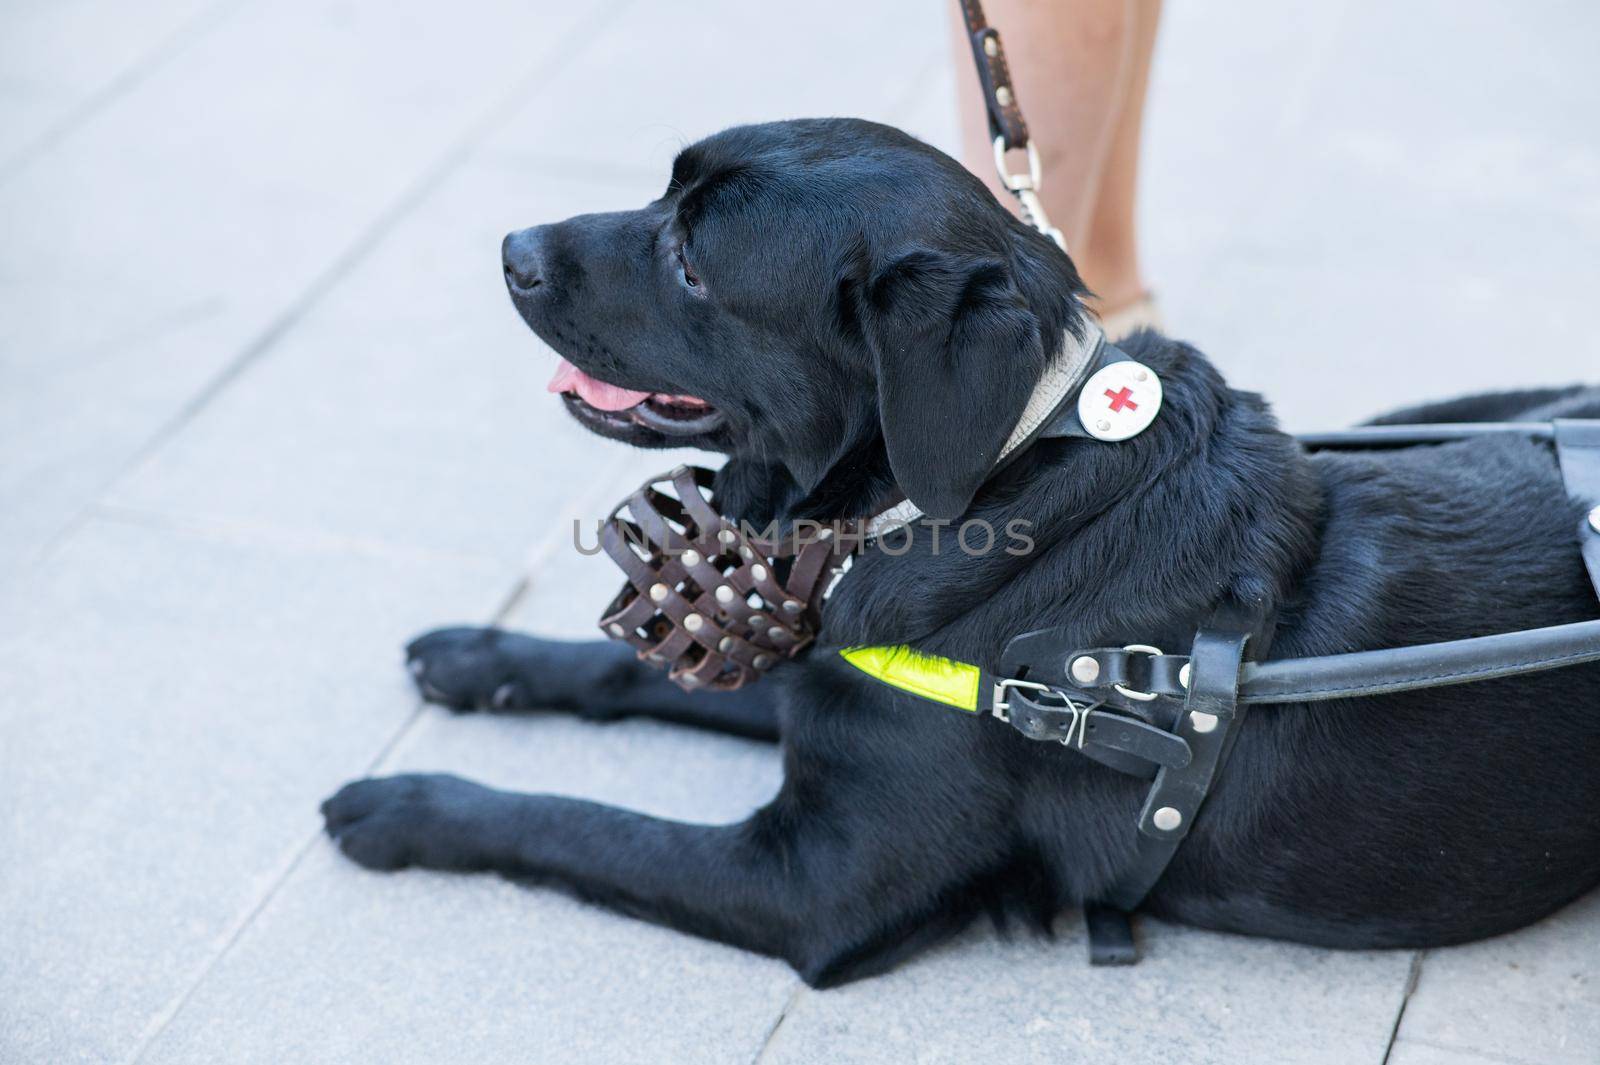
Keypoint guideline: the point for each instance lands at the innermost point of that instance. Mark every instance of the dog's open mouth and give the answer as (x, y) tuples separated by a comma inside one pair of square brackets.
[(606, 406)]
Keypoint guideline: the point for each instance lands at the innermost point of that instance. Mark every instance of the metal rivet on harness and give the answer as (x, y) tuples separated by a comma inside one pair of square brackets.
[(1003, 94), (991, 47), (1166, 819), (1202, 721), (1085, 670), (1594, 519)]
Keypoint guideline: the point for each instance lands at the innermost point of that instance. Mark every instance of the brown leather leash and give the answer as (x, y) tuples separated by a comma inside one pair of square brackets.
[(994, 73), (1006, 124)]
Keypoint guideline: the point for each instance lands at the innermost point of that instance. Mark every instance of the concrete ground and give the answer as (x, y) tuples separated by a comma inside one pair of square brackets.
[(265, 413)]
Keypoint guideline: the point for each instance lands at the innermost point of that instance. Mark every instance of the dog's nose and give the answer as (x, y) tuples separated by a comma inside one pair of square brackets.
[(520, 254)]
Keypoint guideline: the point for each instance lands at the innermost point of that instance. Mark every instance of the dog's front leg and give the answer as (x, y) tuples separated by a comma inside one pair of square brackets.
[(492, 669), (836, 896)]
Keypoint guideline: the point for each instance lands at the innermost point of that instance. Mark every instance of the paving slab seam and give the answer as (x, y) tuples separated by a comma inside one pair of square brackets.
[(159, 55), (371, 239), (169, 1013), (230, 938), (541, 555), (1413, 974), (162, 1020), (799, 992)]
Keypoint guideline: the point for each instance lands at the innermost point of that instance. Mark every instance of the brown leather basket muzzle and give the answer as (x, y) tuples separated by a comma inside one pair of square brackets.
[(714, 604)]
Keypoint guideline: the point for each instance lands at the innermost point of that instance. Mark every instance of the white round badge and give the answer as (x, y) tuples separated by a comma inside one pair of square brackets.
[(1119, 401)]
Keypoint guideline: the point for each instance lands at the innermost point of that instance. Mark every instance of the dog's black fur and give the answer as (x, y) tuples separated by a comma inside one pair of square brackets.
[(870, 321)]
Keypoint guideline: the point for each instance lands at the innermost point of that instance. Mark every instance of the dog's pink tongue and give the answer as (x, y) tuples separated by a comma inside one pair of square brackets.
[(569, 378)]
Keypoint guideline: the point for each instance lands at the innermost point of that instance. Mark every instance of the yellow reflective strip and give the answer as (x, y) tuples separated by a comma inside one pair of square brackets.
[(944, 680)]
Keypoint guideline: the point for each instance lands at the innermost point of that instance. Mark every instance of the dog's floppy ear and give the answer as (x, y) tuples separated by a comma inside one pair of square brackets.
[(957, 353)]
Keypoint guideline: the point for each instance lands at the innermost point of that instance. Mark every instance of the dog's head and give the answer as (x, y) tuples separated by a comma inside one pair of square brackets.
[(847, 312)]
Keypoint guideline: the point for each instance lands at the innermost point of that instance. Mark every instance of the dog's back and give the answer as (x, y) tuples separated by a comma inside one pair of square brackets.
[(1437, 815)]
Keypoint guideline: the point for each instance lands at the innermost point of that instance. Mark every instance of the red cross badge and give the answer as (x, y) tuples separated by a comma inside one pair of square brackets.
[(1119, 401)]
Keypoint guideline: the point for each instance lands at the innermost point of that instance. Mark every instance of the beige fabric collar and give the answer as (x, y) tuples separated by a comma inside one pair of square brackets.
[(1060, 380)]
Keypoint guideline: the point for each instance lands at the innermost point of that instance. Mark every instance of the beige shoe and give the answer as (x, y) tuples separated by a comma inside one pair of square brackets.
[(1142, 313)]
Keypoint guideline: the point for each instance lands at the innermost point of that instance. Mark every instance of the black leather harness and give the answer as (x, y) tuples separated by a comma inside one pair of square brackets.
[(1172, 719)]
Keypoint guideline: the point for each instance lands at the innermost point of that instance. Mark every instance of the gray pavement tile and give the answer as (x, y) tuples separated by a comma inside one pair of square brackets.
[(671, 80), (349, 966), (1531, 996), (176, 703), (410, 406), (173, 227), (59, 56), (1441, 328), (1520, 77), (1195, 997), (343, 964), (1346, 236)]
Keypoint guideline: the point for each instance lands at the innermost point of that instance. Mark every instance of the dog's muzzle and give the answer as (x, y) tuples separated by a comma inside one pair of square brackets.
[(715, 603)]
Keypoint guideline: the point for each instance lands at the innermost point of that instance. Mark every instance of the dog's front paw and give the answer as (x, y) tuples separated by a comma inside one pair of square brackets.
[(435, 821), (472, 669)]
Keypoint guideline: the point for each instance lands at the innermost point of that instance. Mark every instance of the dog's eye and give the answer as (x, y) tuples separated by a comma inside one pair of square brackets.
[(690, 278)]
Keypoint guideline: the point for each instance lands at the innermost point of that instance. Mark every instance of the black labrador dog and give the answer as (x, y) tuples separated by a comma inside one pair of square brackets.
[(853, 319)]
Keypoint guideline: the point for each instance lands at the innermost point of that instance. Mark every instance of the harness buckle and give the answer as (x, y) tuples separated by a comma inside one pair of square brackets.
[(1001, 708), (1077, 729)]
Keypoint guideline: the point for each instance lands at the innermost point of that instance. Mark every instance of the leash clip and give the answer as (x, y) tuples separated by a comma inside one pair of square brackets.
[(1025, 187)]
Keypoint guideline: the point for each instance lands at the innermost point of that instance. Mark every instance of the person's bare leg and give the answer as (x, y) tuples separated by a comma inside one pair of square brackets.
[(1070, 63), (1111, 245)]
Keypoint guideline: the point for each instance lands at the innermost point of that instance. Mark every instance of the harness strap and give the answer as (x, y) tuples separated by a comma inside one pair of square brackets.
[(1376, 436), (1347, 676), (1209, 726), (1428, 665)]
